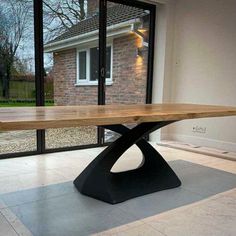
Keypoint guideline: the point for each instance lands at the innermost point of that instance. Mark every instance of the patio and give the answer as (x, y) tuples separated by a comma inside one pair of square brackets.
[(37, 197)]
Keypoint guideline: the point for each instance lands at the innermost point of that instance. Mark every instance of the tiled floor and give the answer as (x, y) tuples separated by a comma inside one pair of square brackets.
[(199, 149), (37, 197)]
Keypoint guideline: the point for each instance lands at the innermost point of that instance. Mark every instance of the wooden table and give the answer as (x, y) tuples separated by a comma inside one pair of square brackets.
[(154, 174)]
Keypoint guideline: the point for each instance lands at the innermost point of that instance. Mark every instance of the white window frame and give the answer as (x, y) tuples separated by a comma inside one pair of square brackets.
[(87, 81)]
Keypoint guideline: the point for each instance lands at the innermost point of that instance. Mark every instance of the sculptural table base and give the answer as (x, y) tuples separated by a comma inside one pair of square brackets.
[(154, 174)]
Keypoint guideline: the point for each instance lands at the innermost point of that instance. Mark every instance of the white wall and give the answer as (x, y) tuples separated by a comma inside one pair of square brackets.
[(203, 69)]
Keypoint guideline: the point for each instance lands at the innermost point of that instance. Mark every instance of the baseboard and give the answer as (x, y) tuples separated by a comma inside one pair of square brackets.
[(212, 143)]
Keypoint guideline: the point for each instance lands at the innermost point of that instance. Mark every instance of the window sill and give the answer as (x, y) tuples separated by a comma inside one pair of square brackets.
[(108, 83)]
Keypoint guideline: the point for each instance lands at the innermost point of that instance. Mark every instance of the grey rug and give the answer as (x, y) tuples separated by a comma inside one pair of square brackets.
[(62, 211)]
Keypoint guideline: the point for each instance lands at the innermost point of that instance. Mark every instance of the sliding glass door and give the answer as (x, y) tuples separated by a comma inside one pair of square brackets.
[(85, 52), (17, 73), (128, 38), (71, 54)]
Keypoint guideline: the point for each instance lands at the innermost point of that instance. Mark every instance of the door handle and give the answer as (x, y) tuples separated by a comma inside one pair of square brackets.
[(102, 72)]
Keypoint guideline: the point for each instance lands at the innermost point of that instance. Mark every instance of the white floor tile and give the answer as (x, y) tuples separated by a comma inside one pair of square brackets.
[(5, 228), (15, 223)]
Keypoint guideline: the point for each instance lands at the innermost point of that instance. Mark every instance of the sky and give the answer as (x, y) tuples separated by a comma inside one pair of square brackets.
[(26, 48)]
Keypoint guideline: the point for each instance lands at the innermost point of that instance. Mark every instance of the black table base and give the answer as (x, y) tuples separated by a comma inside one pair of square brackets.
[(154, 174)]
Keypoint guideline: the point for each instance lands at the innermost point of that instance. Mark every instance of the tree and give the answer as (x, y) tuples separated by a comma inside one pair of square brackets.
[(61, 15), (13, 18)]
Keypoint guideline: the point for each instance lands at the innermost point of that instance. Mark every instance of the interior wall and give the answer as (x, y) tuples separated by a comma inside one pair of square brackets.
[(204, 69), (163, 55)]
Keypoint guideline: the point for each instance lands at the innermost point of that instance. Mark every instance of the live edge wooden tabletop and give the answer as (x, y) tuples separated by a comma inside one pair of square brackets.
[(23, 118)]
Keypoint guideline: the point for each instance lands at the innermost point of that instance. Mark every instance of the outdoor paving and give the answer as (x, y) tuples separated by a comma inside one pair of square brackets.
[(37, 197)]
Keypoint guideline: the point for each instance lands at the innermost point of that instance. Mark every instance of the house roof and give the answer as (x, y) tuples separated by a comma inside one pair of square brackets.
[(115, 15)]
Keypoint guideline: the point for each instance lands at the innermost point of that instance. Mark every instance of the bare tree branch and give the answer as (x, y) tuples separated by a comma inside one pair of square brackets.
[(61, 15)]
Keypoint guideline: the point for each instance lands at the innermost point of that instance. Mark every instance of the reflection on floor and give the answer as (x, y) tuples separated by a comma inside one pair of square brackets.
[(37, 197), (199, 149)]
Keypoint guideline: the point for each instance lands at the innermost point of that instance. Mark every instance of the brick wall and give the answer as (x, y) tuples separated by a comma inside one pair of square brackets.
[(129, 76), (129, 72), (64, 73)]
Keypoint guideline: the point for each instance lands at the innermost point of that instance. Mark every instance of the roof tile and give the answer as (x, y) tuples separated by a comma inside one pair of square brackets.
[(115, 15)]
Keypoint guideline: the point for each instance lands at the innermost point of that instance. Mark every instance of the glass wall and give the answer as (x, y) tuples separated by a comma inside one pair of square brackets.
[(128, 36), (71, 64), (17, 73)]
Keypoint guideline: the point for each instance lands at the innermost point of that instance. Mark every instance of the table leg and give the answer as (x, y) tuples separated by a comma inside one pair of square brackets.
[(154, 174)]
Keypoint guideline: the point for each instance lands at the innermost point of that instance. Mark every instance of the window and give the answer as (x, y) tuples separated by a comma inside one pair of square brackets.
[(82, 65), (87, 66)]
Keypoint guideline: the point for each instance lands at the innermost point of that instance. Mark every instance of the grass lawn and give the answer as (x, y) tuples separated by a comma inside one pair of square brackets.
[(22, 104)]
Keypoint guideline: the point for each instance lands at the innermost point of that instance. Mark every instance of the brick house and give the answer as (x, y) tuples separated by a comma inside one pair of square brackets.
[(75, 56)]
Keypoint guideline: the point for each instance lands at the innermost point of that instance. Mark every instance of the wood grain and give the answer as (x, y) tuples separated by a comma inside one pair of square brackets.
[(25, 118)]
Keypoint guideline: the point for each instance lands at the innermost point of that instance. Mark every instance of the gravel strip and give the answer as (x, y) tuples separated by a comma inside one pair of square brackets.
[(22, 141), (69, 137)]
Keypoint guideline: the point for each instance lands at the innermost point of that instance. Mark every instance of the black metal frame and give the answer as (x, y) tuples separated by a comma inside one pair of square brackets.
[(153, 174), (39, 67), (39, 70), (102, 52)]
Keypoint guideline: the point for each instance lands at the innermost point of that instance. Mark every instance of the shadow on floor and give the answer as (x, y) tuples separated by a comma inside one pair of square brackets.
[(61, 210)]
